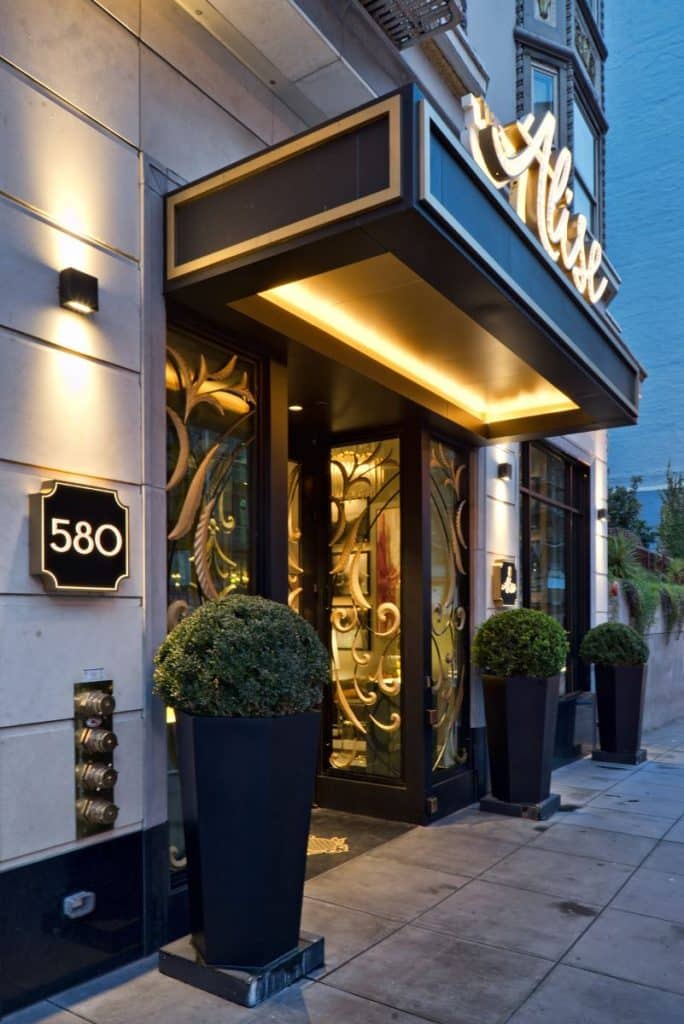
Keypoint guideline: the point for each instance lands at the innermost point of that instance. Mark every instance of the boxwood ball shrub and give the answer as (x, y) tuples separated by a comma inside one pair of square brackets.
[(613, 643), (242, 656), (520, 642)]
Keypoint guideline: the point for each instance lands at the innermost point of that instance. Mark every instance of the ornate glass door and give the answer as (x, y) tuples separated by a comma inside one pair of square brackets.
[(365, 609), (378, 561), (449, 605)]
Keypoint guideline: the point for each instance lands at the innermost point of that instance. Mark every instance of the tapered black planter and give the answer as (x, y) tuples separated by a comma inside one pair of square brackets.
[(247, 787), (521, 716), (620, 691)]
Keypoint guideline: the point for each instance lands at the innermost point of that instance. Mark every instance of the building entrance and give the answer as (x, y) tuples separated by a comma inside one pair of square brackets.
[(378, 562)]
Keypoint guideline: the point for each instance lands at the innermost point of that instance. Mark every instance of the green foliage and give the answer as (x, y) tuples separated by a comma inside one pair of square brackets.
[(672, 514), (643, 589), (672, 605), (623, 563), (613, 643), (675, 571), (643, 594), (624, 512), (520, 642), (242, 656)]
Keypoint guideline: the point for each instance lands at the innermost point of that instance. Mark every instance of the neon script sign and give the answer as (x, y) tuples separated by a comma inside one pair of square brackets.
[(520, 157)]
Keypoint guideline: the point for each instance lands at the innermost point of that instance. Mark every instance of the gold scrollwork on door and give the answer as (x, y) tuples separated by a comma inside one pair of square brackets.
[(365, 617), (211, 420), (448, 519), (295, 572)]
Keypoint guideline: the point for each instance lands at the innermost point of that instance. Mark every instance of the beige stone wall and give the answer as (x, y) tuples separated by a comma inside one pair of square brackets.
[(664, 700), (103, 108)]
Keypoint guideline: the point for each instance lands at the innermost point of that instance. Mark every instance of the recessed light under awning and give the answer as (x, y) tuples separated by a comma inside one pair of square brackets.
[(376, 241)]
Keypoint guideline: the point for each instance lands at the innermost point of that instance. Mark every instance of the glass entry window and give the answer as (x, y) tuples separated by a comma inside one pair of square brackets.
[(211, 426), (449, 603), (555, 550), (365, 609)]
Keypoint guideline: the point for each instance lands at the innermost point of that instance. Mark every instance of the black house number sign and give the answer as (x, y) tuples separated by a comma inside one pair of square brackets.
[(78, 538)]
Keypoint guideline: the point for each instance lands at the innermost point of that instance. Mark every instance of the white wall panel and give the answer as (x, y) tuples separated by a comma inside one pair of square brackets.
[(126, 11), (80, 175), (155, 756), (68, 414), (33, 254), (171, 32), (74, 48), (47, 642), (335, 89), (280, 31), (182, 128), (37, 792), (128, 761)]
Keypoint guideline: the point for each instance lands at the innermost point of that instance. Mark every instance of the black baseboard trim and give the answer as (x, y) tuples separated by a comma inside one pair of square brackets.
[(43, 952), (480, 759)]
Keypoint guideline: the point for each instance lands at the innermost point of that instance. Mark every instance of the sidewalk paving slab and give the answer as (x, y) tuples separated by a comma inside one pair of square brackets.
[(571, 996), (666, 857), (386, 887), (636, 948), (347, 932), (526, 922), (639, 801), (561, 874), (581, 841), (465, 921), (676, 833), (650, 826), (442, 977), (436, 848), (653, 893)]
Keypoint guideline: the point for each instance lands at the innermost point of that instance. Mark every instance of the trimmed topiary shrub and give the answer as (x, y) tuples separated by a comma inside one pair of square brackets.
[(520, 642), (242, 656), (613, 643)]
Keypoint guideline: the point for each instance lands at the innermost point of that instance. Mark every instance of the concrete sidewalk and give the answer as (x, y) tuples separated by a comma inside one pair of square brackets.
[(477, 919)]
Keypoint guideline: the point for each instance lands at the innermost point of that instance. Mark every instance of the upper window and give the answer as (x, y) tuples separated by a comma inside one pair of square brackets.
[(585, 198), (545, 94)]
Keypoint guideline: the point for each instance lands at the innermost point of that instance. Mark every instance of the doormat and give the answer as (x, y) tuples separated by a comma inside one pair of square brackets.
[(323, 844)]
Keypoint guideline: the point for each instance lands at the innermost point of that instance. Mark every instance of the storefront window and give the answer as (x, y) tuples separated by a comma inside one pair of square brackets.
[(449, 602), (211, 426), (547, 560), (554, 547), (365, 612)]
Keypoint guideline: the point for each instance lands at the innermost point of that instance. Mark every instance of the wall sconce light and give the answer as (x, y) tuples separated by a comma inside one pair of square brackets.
[(602, 513), (504, 471), (78, 291)]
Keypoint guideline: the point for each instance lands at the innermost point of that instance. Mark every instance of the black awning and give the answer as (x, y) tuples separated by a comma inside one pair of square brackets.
[(377, 241)]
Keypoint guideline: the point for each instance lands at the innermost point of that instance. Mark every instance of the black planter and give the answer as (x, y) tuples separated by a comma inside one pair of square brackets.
[(521, 725), (247, 787), (620, 693)]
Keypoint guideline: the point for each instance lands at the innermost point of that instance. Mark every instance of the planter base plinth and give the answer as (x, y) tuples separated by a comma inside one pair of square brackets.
[(180, 960), (535, 812), (617, 757)]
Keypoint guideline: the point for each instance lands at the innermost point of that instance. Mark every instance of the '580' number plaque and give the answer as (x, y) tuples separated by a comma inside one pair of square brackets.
[(78, 537)]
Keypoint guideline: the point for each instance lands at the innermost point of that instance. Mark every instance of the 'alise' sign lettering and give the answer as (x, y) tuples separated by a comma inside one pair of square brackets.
[(520, 156)]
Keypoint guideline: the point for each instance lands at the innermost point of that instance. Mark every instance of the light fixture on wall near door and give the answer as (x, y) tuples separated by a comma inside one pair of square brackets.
[(504, 471), (78, 291), (602, 513)]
